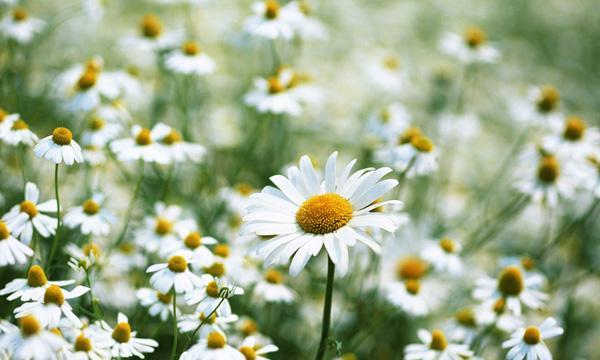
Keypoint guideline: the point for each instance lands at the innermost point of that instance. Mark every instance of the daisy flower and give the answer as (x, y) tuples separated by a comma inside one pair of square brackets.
[(213, 296), (415, 154), (237, 197), (272, 289), (33, 287), (272, 95), (270, 21), (529, 342), (528, 267), (91, 217), (196, 243), (464, 327), (213, 347), (26, 216), (151, 37), (18, 133), (12, 250), (389, 122), (189, 323), (31, 341), (470, 47), (512, 286), (59, 147), (143, 144), (493, 311), (386, 72), (93, 154), (540, 108), (252, 350), (301, 17), (572, 139), (435, 346), (85, 347), (100, 131), (190, 60), (226, 263), (160, 232), (121, 341), (157, 303), (6, 121), (444, 256), (304, 214), (181, 151), (19, 26), (83, 257), (53, 305), (175, 273)]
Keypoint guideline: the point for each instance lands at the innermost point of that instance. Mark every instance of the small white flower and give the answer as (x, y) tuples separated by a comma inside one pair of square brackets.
[(213, 347), (539, 109), (19, 26), (91, 217), (414, 296), (471, 47), (493, 311), (444, 256), (389, 123), (160, 233), (180, 150), (121, 341), (59, 147), (572, 139), (6, 121), (272, 289), (190, 60), (93, 155), (213, 296), (386, 72), (272, 95), (18, 133), (143, 144), (529, 342), (33, 287), (416, 155), (270, 21), (300, 17), (100, 131), (175, 274), (435, 346), (83, 257), (151, 39), (85, 346), (52, 306), (158, 303), (189, 323), (253, 349), (31, 342), (12, 250), (194, 242)]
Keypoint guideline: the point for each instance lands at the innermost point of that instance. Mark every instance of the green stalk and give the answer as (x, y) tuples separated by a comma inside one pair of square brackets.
[(174, 350), (131, 205), (58, 222), (326, 310)]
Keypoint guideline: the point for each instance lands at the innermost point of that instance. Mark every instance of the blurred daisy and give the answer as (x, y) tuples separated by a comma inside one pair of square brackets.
[(493, 311), (301, 18), (304, 214), (33, 287), (389, 122), (213, 347), (160, 231), (6, 121), (415, 155), (237, 197), (52, 306), (13, 251), (272, 95), (158, 303), (270, 21), (386, 72), (151, 38), (435, 346), (143, 144), (213, 296), (91, 217), (573, 139), (444, 256), (464, 327), (408, 291), (470, 47), (541, 108), (85, 347), (59, 147), (529, 342), (26, 216), (252, 349), (85, 256), (18, 133), (196, 243), (121, 341), (528, 267), (189, 323), (93, 155), (272, 289), (190, 60), (31, 341), (100, 131), (181, 151), (175, 274), (301, 86), (19, 26)]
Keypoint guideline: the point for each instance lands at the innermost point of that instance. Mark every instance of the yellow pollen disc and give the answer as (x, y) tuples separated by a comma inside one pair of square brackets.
[(216, 269), (273, 277), (83, 344), (3, 115), (499, 306), (532, 335), (4, 232), (422, 143), (323, 214), (271, 9), (54, 295), (144, 137), (244, 189), (36, 276), (122, 332), (56, 331), (438, 340), (212, 289), (177, 263), (29, 325), (97, 124), (91, 207), (221, 250), (28, 208), (19, 14), (211, 320), (248, 352), (411, 268), (151, 26), (19, 125), (193, 240), (474, 36), (249, 327), (87, 80), (127, 248), (275, 86), (413, 286), (164, 298), (191, 48), (548, 169), (92, 248), (62, 136), (448, 245), (466, 317), (408, 134), (391, 63), (93, 65), (511, 281), (172, 138), (163, 226), (574, 128), (305, 8), (216, 340), (528, 263), (549, 99)]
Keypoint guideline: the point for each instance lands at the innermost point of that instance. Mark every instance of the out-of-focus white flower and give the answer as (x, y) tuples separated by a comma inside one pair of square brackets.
[(459, 126), (18, 133), (196, 243), (12, 250), (214, 296), (444, 256), (213, 347), (529, 342), (6, 121), (158, 303), (435, 346), (31, 342), (160, 232), (389, 122), (100, 131), (493, 311), (272, 289), (143, 144), (91, 216), (470, 47), (59, 147), (302, 21), (152, 38), (540, 108), (189, 323), (19, 26), (93, 155), (180, 150), (272, 95), (572, 139), (251, 348), (464, 327), (82, 258), (121, 341), (386, 73), (416, 155), (33, 287), (271, 21), (175, 273), (85, 347), (190, 60), (52, 306)]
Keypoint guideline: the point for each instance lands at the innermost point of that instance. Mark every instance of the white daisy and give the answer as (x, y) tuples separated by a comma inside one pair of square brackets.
[(26, 216), (85, 347), (12, 251), (213, 296), (194, 242), (144, 144), (302, 20), (470, 47), (227, 262), (190, 60), (213, 347), (59, 147), (92, 217), (459, 126), (18, 133), (435, 346), (463, 328), (389, 122), (157, 303), (100, 131), (252, 349), (529, 342), (93, 155), (6, 121), (121, 341), (33, 287), (83, 257), (541, 108), (237, 197), (160, 232), (303, 213), (175, 274), (52, 306), (416, 154), (493, 311), (189, 323), (180, 150), (272, 289), (444, 256), (272, 95), (151, 39), (572, 139), (270, 21), (31, 342), (19, 26), (386, 72), (528, 267)]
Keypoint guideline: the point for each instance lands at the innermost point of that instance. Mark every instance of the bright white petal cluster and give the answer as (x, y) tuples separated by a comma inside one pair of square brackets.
[(59, 148), (528, 343)]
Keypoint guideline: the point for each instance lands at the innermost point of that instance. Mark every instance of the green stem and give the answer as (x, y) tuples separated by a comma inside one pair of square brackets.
[(95, 308), (131, 205), (174, 350), (20, 157), (326, 310), (58, 222), (203, 322)]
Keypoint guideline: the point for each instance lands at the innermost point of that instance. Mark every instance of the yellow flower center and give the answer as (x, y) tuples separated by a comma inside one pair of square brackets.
[(28, 208), (97, 124), (4, 232), (408, 134), (172, 138), (511, 281), (54, 295), (19, 125), (499, 306), (210, 320), (19, 14), (422, 143), (244, 189), (273, 277), (212, 289), (56, 331), (193, 240), (466, 317), (222, 250), (3, 115), (448, 245), (548, 100), (163, 226), (438, 341), (474, 37), (574, 128), (249, 327), (191, 48), (29, 325), (216, 340), (391, 63), (411, 268), (548, 169), (36, 276), (62, 136), (144, 137), (528, 263), (127, 248), (122, 332), (164, 298), (91, 207), (87, 79), (83, 344), (151, 26), (177, 263), (216, 269), (532, 335), (323, 214), (91, 248), (275, 85), (271, 9), (93, 65), (248, 352), (413, 286)]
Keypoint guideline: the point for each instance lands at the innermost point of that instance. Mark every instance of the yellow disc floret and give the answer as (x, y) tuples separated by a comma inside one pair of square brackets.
[(215, 340), (217, 269), (164, 298), (548, 169), (19, 125), (221, 250), (19, 14), (448, 245), (532, 335), (413, 286), (193, 240), (574, 128), (30, 325), (177, 263), (62, 136), (438, 340), (54, 295), (422, 143), (144, 137), (323, 214), (549, 98), (163, 226), (273, 276), (36, 276), (271, 9), (212, 289), (411, 267), (510, 282), (151, 26), (466, 317), (191, 48), (87, 79), (92, 249), (474, 36), (122, 332), (4, 232), (173, 137), (83, 343), (248, 352), (91, 207)]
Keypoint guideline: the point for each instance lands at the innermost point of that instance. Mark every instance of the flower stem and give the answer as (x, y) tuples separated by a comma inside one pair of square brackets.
[(326, 310), (203, 322), (174, 350), (58, 222), (131, 205)]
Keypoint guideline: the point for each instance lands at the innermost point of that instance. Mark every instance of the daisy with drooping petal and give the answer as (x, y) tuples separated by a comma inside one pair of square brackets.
[(158, 303), (189, 323), (272, 95), (180, 150), (270, 21), (33, 287), (415, 154), (435, 346), (213, 296), (31, 341), (144, 144), (529, 342), (190, 60), (175, 274), (12, 250), (272, 289), (213, 347), (304, 214), (444, 256), (52, 306), (91, 217), (18, 133), (252, 349), (23, 218), (470, 47), (19, 26), (59, 147), (121, 341)]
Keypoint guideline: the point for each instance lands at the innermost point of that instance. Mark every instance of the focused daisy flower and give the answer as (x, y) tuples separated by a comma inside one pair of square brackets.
[(53, 306), (272, 289), (121, 341), (529, 342), (190, 60), (270, 21), (91, 217), (415, 154), (541, 108), (213, 296), (386, 72), (301, 18), (180, 150), (272, 95), (444, 256), (59, 147), (175, 273), (304, 214), (494, 312), (13, 251), (189, 323), (470, 47), (143, 144), (160, 232), (19, 26), (33, 287), (85, 347), (573, 139), (213, 347), (389, 122), (31, 341), (19, 134), (100, 131), (512, 286), (253, 350), (158, 303), (26, 216), (435, 346)]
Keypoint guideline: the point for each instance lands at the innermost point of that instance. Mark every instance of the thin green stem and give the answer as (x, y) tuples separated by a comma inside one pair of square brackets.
[(174, 350), (95, 308), (326, 310), (202, 323), (20, 158), (131, 206), (58, 222)]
